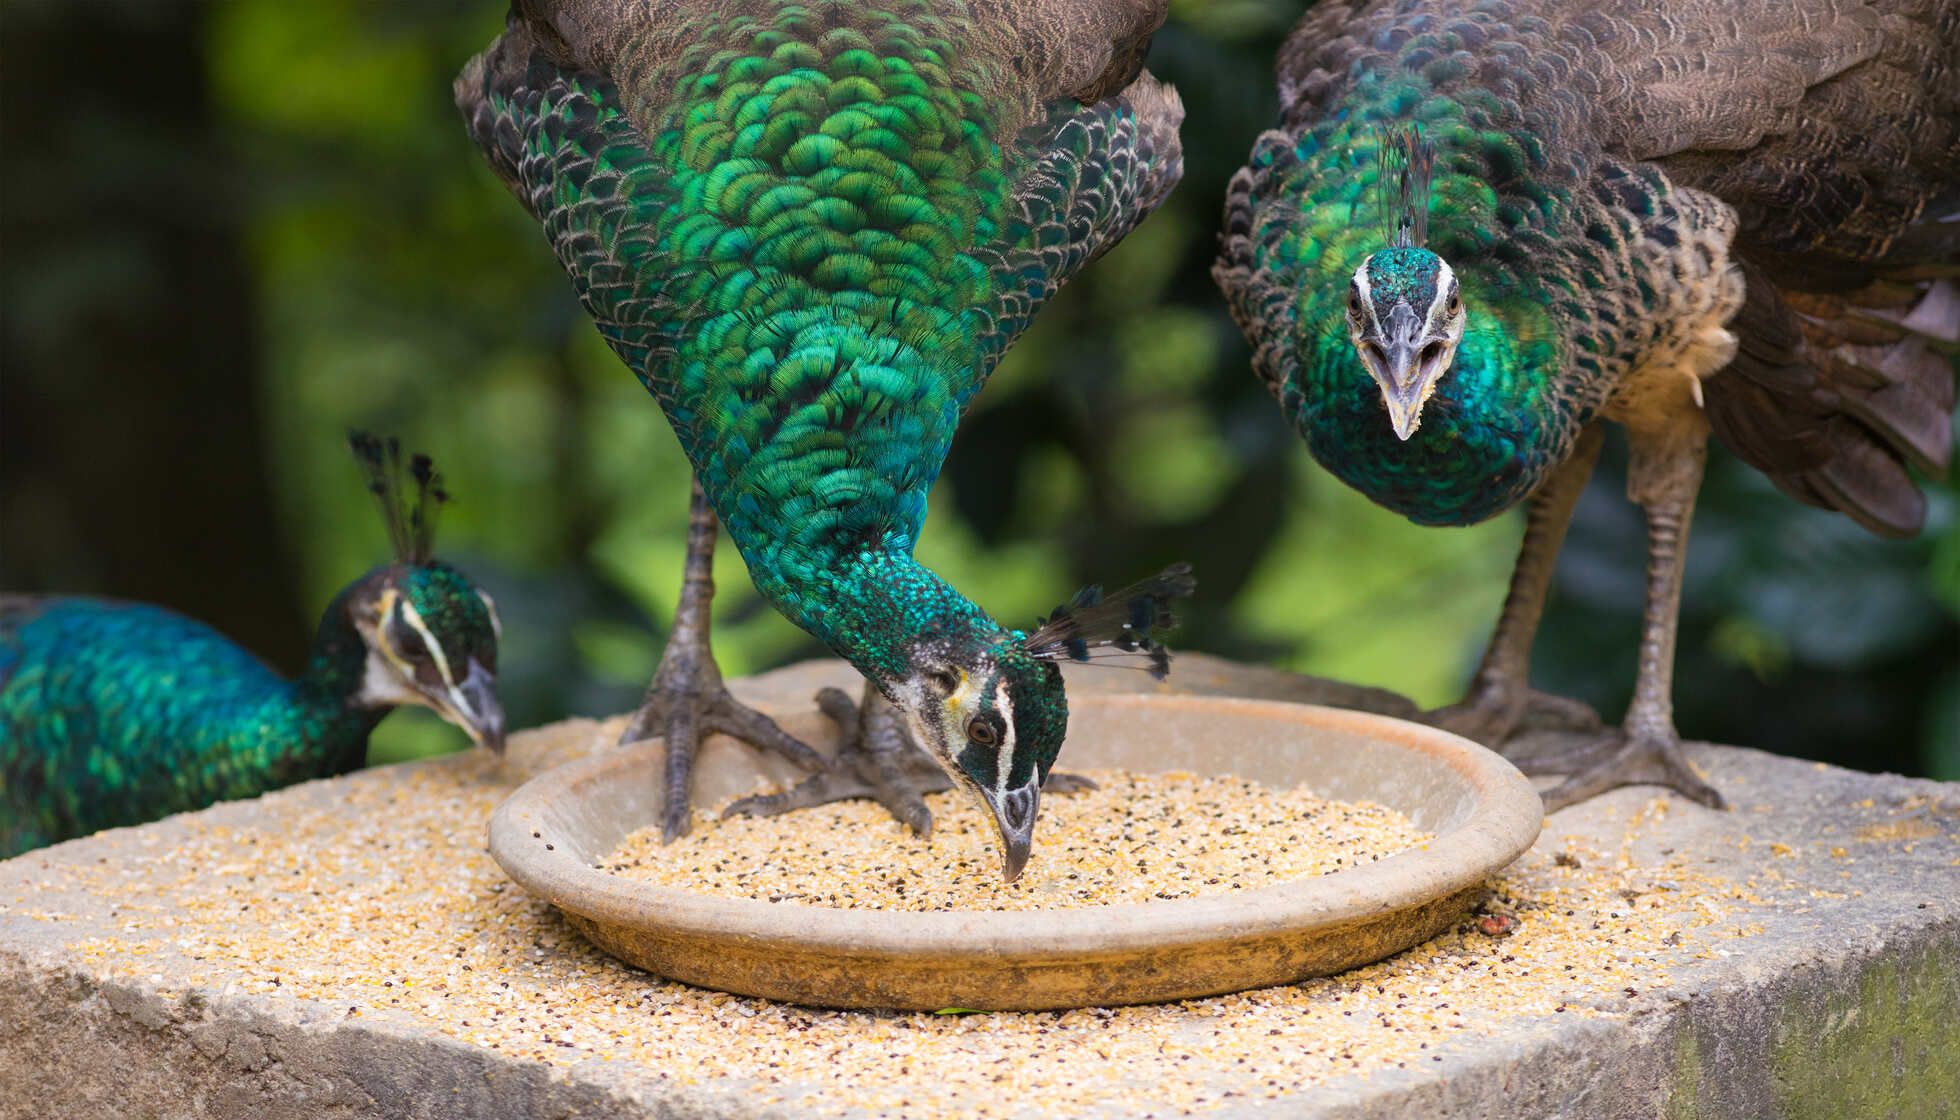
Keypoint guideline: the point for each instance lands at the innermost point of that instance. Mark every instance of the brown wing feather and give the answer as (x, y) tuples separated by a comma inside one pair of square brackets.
[(1046, 49), (1832, 396), (1833, 128), (1835, 139)]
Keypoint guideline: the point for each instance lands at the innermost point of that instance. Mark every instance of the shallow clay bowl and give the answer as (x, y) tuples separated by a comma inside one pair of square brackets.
[(1483, 812)]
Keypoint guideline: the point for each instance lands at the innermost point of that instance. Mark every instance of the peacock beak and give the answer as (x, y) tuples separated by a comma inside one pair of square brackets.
[(1014, 814), (473, 706), (1405, 367)]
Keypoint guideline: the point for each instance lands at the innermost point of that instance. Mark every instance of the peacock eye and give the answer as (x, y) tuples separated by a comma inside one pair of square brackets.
[(982, 731), (1354, 301), (1456, 303)]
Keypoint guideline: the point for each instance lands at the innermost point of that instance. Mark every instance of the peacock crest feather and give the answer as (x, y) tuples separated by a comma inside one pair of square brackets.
[(408, 491), (1405, 164)]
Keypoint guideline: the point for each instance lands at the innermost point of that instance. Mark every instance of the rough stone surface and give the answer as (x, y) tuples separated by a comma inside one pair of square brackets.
[(1839, 1001)]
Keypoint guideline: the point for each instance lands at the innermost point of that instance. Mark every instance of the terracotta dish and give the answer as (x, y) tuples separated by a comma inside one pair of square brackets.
[(1484, 814)]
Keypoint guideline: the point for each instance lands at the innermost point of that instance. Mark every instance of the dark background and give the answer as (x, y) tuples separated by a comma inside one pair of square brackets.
[(231, 231)]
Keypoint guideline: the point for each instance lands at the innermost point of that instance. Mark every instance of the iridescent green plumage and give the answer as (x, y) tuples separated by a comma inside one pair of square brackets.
[(118, 713), (811, 229)]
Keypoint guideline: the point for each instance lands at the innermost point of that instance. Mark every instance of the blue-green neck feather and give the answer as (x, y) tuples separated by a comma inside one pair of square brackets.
[(1485, 434), (1527, 374)]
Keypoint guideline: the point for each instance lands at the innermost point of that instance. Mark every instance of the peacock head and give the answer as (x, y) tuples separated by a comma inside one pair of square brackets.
[(1405, 313), (990, 707), (431, 639), (431, 634), (1405, 318)]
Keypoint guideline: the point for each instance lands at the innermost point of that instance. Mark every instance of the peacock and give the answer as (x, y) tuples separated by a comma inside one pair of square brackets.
[(1482, 231), (811, 228), (117, 713)]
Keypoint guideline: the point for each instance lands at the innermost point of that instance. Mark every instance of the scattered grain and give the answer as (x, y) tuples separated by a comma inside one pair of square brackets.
[(1138, 838), (406, 921)]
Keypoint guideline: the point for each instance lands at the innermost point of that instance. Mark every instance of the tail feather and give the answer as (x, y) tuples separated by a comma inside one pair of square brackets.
[(1912, 408), (1869, 484), (1834, 396)]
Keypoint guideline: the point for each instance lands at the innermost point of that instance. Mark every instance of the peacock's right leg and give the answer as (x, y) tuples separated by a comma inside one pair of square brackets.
[(1663, 476), (877, 761), (1500, 700), (687, 701)]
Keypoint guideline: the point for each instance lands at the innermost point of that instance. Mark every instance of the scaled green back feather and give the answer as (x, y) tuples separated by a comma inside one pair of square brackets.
[(811, 229)]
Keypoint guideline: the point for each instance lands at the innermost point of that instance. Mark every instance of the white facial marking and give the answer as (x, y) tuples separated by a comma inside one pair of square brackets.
[(1445, 284), (489, 604), (382, 685), (1005, 705), (414, 618)]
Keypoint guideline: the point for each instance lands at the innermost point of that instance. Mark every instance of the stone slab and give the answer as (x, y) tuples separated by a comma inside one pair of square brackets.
[(1825, 982)]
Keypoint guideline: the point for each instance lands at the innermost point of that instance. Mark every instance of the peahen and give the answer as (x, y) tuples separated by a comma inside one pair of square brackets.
[(1482, 231), (811, 228), (118, 713)]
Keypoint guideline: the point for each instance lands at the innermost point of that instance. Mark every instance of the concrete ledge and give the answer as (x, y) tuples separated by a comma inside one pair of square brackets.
[(1814, 971)]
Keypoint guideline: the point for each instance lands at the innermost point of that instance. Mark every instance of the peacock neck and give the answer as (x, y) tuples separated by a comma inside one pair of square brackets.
[(1489, 434), (1509, 215), (872, 607), (326, 724)]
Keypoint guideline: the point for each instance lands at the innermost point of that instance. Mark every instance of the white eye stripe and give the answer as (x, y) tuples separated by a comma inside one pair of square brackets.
[(414, 618), (1445, 285), (1367, 290), (1005, 703), (489, 604)]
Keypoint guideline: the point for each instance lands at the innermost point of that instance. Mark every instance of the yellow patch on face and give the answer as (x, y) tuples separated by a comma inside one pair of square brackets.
[(383, 607), (963, 695)]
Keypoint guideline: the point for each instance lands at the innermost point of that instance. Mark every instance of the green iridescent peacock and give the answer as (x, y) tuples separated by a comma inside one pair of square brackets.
[(811, 229), (118, 713)]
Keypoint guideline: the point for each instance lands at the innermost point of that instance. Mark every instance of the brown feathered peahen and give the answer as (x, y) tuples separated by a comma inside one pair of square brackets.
[(1483, 230)]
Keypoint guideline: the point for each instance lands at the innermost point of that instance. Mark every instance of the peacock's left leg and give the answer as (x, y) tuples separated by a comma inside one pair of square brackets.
[(1500, 698), (1663, 475), (687, 701), (878, 761)]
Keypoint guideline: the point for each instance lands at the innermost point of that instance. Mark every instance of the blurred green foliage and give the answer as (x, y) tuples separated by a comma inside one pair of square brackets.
[(399, 288)]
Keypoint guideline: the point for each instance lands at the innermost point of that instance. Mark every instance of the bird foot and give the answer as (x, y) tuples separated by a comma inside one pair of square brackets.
[(1491, 715), (1068, 785), (1619, 760), (879, 762), (686, 703)]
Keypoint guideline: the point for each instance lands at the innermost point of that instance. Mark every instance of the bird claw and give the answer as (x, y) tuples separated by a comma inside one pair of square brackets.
[(877, 761), (1493, 715), (685, 706), (1068, 785), (1619, 760)]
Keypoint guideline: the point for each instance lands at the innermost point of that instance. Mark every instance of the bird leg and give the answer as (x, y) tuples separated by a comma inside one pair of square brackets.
[(877, 761), (686, 702), (1500, 699), (1663, 476)]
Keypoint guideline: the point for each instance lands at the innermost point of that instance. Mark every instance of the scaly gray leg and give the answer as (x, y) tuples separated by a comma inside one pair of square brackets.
[(878, 761), (1663, 476), (1500, 699), (686, 702)]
